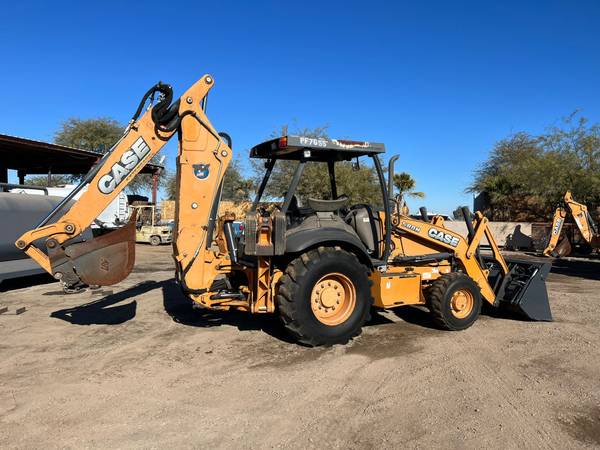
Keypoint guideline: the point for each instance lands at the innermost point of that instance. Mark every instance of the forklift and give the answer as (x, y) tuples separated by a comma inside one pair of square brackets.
[(321, 264), (149, 228)]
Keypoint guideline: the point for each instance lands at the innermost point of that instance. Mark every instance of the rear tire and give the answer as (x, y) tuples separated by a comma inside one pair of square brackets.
[(454, 300), (324, 297), (155, 240)]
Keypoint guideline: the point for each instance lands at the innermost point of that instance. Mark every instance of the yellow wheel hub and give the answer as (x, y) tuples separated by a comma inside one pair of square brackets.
[(461, 304), (333, 299)]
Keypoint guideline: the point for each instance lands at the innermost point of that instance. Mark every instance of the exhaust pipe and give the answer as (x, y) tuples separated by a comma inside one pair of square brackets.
[(391, 164)]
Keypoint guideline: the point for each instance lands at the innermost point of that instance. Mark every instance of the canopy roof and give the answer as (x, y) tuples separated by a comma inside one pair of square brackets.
[(314, 149)]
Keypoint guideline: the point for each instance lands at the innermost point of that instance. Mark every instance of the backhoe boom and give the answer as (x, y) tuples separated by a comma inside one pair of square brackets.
[(583, 220), (202, 160)]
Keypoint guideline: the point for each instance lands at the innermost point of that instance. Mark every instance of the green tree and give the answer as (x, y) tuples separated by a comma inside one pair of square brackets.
[(525, 176), (99, 135), (42, 180), (406, 185), (236, 187)]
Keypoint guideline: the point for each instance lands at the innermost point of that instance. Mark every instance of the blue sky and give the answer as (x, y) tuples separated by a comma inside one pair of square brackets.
[(437, 82)]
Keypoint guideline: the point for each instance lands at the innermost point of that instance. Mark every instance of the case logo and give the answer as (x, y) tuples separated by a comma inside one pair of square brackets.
[(557, 226), (122, 168), (446, 238), (201, 171)]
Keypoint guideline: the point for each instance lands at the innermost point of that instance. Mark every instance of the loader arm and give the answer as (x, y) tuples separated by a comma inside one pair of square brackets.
[(435, 235), (514, 284), (581, 216), (201, 163)]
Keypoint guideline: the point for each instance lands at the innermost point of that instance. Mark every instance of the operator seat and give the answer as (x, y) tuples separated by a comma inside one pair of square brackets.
[(320, 205), (367, 226)]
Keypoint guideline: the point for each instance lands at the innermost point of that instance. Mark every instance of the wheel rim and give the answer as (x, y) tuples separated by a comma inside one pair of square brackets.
[(333, 299), (461, 303)]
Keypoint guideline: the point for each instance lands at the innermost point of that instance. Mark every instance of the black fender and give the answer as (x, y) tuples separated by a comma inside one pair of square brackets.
[(303, 240)]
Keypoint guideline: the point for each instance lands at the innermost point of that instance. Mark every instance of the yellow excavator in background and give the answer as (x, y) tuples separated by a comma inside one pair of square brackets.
[(321, 264), (558, 247)]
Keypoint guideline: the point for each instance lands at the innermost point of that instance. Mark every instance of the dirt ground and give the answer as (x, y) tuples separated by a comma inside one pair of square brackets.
[(134, 366)]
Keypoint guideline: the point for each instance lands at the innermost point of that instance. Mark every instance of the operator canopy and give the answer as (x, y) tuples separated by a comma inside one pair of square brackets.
[(315, 149)]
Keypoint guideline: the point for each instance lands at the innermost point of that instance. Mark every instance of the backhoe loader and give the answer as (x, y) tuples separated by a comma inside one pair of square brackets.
[(322, 264), (557, 247)]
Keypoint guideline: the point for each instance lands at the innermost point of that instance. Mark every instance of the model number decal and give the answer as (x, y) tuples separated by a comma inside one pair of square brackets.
[(314, 142), (446, 238), (411, 227), (119, 171)]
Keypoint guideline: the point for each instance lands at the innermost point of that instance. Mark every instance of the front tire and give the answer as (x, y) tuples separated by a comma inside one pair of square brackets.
[(324, 297), (454, 301), (155, 241)]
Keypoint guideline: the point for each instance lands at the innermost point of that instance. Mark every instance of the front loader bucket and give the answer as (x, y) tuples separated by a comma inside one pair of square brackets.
[(104, 260), (523, 290)]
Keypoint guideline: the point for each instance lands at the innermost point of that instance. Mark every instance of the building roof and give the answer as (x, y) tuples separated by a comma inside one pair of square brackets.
[(37, 157)]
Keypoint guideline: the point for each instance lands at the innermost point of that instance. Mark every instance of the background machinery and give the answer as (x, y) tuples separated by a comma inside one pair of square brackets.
[(321, 264), (558, 246), (148, 227)]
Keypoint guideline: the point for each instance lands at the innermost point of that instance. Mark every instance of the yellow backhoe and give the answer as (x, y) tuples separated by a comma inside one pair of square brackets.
[(558, 247), (320, 263)]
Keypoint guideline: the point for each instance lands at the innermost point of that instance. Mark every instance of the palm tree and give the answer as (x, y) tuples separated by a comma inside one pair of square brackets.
[(406, 184)]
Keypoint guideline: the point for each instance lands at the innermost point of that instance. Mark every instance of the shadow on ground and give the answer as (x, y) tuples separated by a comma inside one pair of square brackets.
[(181, 310), (589, 269), (108, 311), (25, 282), (103, 311), (416, 316)]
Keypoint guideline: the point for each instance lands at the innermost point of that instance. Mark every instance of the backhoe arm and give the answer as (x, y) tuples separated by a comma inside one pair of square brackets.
[(582, 217), (109, 258), (557, 225)]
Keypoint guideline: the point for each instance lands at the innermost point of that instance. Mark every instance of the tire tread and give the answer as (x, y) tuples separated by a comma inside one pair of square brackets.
[(290, 282), (436, 299)]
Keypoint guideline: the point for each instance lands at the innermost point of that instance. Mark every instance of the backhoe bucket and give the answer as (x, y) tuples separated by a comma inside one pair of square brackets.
[(562, 249), (523, 290), (105, 260)]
